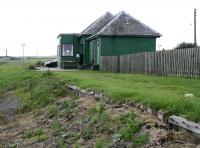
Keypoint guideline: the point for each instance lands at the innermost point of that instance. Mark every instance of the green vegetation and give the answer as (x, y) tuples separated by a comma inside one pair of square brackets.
[(166, 93), (40, 91), (45, 92), (34, 89), (52, 111), (28, 134), (102, 142), (2, 117), (184, 45), (87, 133), (57, 127), (122, 127), (38, 134)]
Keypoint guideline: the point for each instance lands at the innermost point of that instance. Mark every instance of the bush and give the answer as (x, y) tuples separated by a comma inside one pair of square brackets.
[(127, 125), (185, 45), (40, 135), (28, 134), (31, 67), (48, 73), (62, 143), (87, 133), (102, 143), (57, 127), (52, 111), (140, 140), (39, 64)]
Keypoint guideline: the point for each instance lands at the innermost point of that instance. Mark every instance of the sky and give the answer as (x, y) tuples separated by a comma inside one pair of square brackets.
[(37, 23)]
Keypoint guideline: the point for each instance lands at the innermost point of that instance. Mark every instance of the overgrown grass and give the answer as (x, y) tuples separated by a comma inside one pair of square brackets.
[(122, 127), (166, 93), (34, 89)]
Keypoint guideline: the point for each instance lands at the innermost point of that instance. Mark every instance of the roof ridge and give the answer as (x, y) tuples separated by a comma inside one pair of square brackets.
[(93, 23), (111, 21), (147, 30)]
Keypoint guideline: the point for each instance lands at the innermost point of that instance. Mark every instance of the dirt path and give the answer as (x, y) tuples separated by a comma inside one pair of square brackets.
[(8, 105)]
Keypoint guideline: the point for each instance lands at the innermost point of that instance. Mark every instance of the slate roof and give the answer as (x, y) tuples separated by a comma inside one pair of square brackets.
[(124, 24), (98, 24)]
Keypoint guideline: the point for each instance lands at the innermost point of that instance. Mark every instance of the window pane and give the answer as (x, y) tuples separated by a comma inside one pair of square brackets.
[(67, 49)]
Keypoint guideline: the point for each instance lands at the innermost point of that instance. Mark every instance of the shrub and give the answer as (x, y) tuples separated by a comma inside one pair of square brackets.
[(39, 63), (102, 143), (127, 125), (41, 136), (62, 143), (48, 73), (87, 133), (56, 126), (31, 67), (52, 111), (40, 92), (28, 134), (140, 140), (68, 104), (185, 45)]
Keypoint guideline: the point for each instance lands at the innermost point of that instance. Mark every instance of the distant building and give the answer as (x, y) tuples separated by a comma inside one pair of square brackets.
[(107, 36)]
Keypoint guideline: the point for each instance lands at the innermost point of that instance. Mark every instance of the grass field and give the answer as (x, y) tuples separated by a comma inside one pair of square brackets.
[(156, 92)]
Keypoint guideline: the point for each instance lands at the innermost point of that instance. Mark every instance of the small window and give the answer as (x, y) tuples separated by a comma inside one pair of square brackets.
[(67, 49)]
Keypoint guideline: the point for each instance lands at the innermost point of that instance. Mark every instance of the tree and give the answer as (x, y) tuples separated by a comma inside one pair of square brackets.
[(185, 45)]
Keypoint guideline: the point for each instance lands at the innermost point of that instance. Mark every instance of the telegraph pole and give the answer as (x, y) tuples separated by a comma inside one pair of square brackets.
[(23, 45), (6, 52), (195, 34)]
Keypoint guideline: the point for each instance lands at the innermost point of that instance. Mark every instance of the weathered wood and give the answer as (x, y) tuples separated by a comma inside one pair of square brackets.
[(180, 63), (185, 124)]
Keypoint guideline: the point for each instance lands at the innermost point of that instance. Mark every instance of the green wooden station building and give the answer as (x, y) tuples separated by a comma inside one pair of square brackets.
[(109, 35)]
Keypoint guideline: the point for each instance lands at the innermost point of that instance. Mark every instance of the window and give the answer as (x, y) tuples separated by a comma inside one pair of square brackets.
[(67, 50)]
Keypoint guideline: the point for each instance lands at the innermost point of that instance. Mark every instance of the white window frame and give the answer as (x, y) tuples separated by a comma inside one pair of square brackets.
[(67, 52)]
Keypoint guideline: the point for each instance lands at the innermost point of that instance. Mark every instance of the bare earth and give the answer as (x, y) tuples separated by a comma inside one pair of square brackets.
[(12, 131)]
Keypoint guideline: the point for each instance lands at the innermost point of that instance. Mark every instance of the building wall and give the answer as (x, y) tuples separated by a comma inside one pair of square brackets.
[(111, 46), (126, 45), (85, 47), (68, 61), (95, 51)]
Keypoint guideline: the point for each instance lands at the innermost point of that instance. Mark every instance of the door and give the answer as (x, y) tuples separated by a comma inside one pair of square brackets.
[(98, 54)]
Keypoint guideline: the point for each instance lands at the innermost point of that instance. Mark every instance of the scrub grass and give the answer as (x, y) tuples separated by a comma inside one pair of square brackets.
[(165, 93), (34, 89)]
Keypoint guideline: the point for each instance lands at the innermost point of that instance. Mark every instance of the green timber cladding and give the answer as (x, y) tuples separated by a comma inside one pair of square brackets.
[(111, 46), (68, 61), (85, 49), (108, 36)]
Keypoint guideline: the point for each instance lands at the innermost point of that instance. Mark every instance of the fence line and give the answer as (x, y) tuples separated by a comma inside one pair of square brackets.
[(180, 62)]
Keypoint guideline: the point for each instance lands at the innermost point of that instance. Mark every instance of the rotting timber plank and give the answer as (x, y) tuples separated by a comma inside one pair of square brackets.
[(181, 123), (185, 124)]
